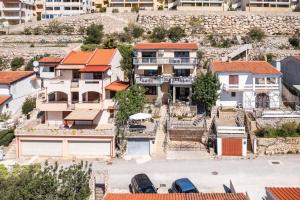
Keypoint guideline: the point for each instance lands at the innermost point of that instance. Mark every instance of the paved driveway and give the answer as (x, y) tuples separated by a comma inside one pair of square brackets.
[(250, 176)]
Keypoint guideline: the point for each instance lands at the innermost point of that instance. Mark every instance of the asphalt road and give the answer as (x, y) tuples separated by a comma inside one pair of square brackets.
[(251, 176)]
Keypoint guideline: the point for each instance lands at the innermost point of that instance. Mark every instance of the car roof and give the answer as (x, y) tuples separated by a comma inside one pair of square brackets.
[(143, 179), (185, 184)]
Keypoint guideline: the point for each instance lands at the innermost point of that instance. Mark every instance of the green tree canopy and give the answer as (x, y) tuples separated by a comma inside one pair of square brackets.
[(129, 101), (29, 66), (94, 34), (205, 90), (16, 63), (134, 30), (28, 105), (256, 34), (50, 182), (126, 62), (158, 34), (176, 33), (3, 63)]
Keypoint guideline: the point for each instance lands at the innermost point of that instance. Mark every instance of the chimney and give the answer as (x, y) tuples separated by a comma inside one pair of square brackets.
[(278, 65)]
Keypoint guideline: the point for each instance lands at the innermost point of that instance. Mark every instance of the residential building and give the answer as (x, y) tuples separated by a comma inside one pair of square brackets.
[(282, 193), (248, 84), (214, 5), (17, 11), (177, 196), (290, 69), (265, 5), (15, 87), (60, 8), (128, 4), (166, 69), (76, 104)]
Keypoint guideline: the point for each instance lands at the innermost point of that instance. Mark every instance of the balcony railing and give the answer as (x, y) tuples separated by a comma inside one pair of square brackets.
[(182, 80), (172, 60), (149, 79), (250, 87)]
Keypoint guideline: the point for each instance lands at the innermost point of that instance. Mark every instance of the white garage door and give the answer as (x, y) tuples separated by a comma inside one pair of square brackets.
[(138, 147), (89, 148), (42, 148)]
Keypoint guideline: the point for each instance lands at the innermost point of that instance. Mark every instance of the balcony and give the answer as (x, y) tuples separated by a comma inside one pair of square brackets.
[(171, 60), (228, 87), (149, 80), (182, 80)]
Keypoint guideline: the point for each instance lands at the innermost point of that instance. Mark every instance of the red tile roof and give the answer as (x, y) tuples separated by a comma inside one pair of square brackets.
[(254, 67), (116, 86), (95, 68), (9, 77), (280, 193), (102, 57), (167, 45), (297, 57), (77, 58), (182, 196), (50, 60), (3, 99)]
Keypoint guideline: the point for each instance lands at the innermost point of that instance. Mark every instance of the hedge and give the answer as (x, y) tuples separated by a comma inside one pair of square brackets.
[(6, 136)]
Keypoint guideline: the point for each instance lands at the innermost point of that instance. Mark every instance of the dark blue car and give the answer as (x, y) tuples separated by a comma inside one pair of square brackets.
[(183, 185)]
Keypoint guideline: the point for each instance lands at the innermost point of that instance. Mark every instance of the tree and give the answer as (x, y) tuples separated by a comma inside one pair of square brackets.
[(94, 34), (46, 183), (205, 90), (29, 66), (256, 34), (16, 63), (158, 34), (109, 43), (3, 63), (129, 101), (294, 41), (89, 47), (176, 33), (28, 105), (134, 30), (126, 62)]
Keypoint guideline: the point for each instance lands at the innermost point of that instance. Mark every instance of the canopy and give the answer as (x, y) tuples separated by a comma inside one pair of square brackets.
[(140, 116), (83, 115), (183, 67), (148, 67)]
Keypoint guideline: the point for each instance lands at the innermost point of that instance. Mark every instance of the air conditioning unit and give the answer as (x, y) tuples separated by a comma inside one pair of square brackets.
[(161, 52)]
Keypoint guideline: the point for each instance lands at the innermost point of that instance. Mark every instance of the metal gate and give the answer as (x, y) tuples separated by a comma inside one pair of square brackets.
[(232, 147), (138, 147)]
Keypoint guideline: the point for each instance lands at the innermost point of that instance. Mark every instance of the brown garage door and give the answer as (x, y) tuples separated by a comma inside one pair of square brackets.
[(231, 147)]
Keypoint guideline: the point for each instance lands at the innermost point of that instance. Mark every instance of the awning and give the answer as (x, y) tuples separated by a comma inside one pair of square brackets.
[(116, 86), (4, 98), (183, 67), (148, 67), (70, 67), (82, 115), (140, 116), (99, 68)]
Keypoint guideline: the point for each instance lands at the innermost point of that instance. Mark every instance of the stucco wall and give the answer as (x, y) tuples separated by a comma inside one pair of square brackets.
[(278, 145)]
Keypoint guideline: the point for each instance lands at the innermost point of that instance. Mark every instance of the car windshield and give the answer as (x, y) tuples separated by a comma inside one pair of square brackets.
[(148, 190), (191, 191)]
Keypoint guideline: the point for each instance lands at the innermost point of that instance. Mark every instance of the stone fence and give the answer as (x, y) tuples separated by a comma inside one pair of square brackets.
[(270, 146)]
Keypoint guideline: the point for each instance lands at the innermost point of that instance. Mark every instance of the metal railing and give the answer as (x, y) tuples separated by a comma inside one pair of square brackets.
[(182, 80), (250, 86), (166, 60), (149, 79)]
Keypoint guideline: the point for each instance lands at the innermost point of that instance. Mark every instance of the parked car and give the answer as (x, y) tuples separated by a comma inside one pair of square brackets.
[(183, 185), (141, 183)]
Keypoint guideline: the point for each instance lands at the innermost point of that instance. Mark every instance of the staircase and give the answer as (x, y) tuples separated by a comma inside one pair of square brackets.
[(160, 134), (10, 151), (241, 49)]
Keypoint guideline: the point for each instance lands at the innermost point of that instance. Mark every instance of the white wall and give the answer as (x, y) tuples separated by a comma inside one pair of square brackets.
[(248, 100), (117, 73), (275, 99), (219, 146), (227, 100), (4, 90), (244, 150), (54, 117)]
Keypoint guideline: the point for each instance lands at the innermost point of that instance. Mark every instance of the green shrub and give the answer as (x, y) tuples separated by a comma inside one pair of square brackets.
[(89, 47), (81, 30), (135, 8), (296, 10), (6, 139), (160, 7), (3, 63), (134, 30), (16, 63), (294, 41), (4, 116), (115, 10), (28, 105), (102, 10), (269, 57), (27, 31), (289, 129), (256, 34), (176, 33), (54, 26), (158, 34), (94, 34), (36, 31)]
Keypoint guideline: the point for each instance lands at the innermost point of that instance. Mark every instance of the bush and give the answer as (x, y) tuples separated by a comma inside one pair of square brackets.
[(296, 10), (160, 7), (89, 47), (3, 63), (269, 57), (256, 34), (109, 43), (36, 31), (115, 10), (54, 26), (94, 34), (289, 129), (135, 8), (16, 63), (81, 30), (28, 105), (176, 33), (158, 34), (27, 31), (134, 30), (102, 10), (294, 41), (7, 138), (4, 116)]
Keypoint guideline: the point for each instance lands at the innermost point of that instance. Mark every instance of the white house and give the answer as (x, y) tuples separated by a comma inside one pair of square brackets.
[(15, 87), (248, 84)]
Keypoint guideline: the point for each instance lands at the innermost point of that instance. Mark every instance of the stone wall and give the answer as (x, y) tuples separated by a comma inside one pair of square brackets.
[(270, 146), (226, 23)]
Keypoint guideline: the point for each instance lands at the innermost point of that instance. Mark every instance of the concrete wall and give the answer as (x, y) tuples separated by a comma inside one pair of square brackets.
[(54, 118)]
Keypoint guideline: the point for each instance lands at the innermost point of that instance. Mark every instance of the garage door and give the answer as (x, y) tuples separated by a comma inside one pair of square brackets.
[(138, 147), (89, 148), (42, 148), (232, 147)]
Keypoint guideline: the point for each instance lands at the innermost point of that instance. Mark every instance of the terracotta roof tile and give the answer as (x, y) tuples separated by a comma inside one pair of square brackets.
[(254, 67), (9, 77), (77, 57), (189, 196), (116, 86), (102, 57), (50, 60), (3, 99), (297, 57), (280, 193), (101, 68), (167, 45)]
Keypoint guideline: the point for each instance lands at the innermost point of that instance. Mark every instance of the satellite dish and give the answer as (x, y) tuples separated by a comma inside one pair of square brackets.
[(109, 72), (35, 63), (36, 69)]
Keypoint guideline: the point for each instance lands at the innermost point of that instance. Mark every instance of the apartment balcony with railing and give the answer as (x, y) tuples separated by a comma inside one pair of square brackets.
[(165, 60), (181, 80), (240, 87), (149, 80)]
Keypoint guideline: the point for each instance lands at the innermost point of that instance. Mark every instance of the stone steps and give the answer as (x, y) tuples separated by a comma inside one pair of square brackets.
[(10, 151)]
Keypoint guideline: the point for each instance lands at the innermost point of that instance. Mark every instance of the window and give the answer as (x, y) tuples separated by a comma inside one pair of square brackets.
[(56, 8), (150, 72), (182, 72), (181, 54), (233, 79), (151, 90), (49, 8), (97, 75), (233, 94), (7, 106), (51, 69), (75, 8), (76, 74), (67, 8)]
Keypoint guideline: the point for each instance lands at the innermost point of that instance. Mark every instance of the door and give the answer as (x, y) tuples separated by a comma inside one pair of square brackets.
[(89, 148), (232, 147), (41, 148), (138, 147)]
